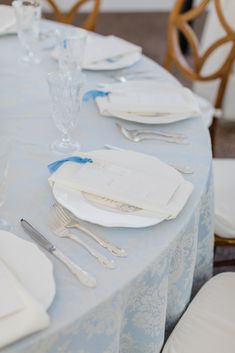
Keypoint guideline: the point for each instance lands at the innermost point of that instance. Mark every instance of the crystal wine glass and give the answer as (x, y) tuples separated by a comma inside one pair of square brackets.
[(71, 44), (66, 94), (28, 15), (4, 159)]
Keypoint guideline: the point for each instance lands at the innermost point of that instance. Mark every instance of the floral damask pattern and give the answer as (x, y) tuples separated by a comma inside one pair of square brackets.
[(138, 318)]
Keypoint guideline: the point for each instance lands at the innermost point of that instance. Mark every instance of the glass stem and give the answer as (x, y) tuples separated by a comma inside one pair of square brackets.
[(66, 138)]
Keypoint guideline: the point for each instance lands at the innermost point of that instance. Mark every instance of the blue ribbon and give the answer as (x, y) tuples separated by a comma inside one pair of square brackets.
[(76, 159), (110, 60), (93, 94)]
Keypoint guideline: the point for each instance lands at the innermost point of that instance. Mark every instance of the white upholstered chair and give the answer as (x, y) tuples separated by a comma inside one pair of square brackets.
[(224, 187), (208, 325)]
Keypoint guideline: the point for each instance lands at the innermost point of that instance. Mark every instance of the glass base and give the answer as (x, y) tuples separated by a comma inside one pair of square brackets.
[(65, 148), (4, 225)]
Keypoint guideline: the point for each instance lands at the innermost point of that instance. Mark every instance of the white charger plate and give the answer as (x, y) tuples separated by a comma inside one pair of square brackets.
[(124, 62), (166, 119), (84, 209), (31, 267)]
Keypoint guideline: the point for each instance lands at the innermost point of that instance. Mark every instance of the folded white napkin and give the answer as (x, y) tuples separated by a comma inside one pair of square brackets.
[(149, 185), (101, 48), (148, 98), (7, 20), (20, 313)]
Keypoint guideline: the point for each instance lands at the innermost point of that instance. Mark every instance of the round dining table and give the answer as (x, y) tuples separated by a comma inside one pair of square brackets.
[(135, 306)]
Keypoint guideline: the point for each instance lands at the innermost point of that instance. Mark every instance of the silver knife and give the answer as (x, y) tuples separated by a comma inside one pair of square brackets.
[(84, 277)]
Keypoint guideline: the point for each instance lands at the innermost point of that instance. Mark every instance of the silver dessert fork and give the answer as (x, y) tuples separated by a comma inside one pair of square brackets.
[(57, 225), (136, 136), (71, 221)]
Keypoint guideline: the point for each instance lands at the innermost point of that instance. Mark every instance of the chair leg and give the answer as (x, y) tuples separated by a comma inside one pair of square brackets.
[(224, 263)]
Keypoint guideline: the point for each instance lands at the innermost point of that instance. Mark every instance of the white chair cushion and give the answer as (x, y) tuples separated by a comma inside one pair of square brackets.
[(208, 325), (224, 185), (207, 110)]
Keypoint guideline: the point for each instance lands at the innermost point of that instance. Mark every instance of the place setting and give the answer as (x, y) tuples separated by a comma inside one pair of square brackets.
[(107, 214)]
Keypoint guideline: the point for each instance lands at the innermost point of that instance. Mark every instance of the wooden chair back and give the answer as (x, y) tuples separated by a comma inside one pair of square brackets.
[(69, 16), (179, 22)]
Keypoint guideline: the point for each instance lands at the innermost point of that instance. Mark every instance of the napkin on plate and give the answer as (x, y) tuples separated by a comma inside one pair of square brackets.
[(104, 49), (149, 187), (20, 313), (148, 98), (107, 48), (7, 20)]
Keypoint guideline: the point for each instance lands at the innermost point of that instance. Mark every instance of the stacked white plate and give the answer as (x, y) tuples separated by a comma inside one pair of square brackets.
[(95, 207), (148, 102)]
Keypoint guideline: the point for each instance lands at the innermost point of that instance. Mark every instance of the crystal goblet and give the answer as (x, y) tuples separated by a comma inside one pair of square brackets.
[(66, 94), (28, 15)]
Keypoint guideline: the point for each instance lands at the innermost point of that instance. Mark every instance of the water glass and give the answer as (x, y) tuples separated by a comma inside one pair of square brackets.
[(28, 15), (4, 160), (71, 44), (66, 94)]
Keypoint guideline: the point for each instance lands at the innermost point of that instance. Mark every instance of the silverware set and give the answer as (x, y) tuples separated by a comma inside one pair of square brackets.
[(84, 277), (138, 135), (60, 223), (135, 135)]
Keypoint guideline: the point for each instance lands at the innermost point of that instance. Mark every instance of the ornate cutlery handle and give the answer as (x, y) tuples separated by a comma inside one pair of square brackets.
[(148, 136), (102, 259), (165, 134), (84, 277), (114, 249)]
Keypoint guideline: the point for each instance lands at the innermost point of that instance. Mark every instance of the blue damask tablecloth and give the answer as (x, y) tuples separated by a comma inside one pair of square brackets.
[(134, 305)]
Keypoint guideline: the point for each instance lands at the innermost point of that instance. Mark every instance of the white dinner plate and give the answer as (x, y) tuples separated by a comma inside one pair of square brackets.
[(124, 62), (84, 209), (31, 267)]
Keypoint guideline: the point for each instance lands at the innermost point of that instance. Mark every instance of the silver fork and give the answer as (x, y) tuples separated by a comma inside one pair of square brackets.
[(57, 225), (134, 136), (71, 221)]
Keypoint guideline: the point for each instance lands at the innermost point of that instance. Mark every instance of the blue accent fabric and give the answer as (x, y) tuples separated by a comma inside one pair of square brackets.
[(76, 159), (93, 94)]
